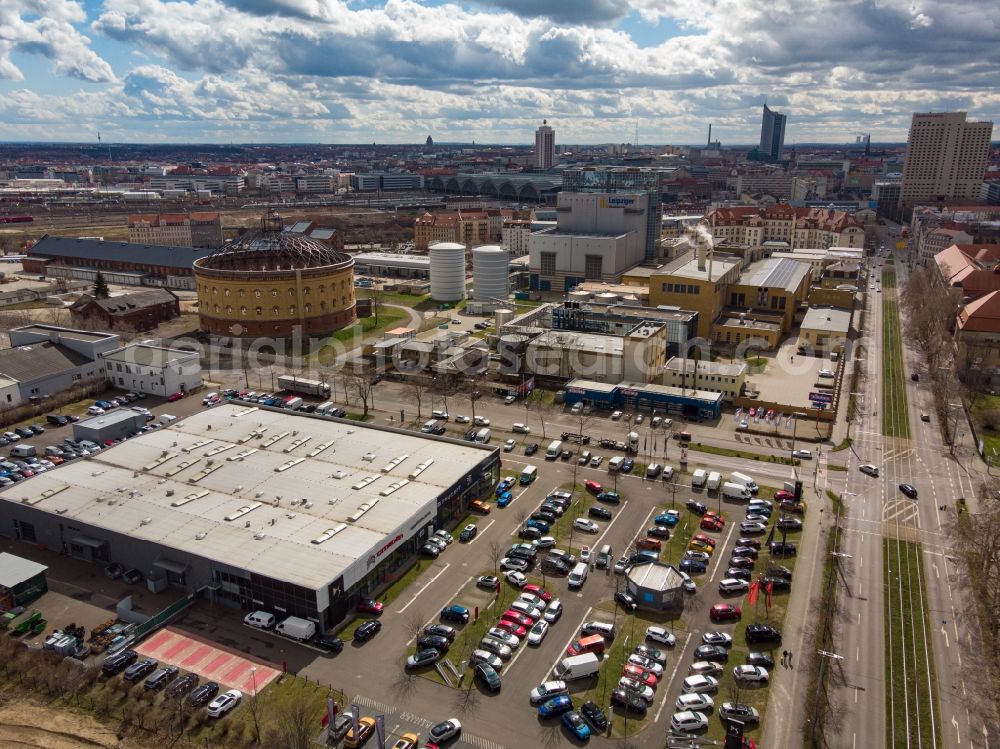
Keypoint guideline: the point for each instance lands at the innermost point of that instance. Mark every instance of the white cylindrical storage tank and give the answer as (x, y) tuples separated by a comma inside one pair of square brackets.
[(502, 317), (447, 271), (490, 272), (579, 296), (606, 298)]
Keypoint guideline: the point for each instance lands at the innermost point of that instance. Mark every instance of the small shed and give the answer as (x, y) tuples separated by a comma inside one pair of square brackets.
[(21, 581), (656, 587)]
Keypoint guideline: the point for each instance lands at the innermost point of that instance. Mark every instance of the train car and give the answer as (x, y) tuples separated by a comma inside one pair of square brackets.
[(16, 219)]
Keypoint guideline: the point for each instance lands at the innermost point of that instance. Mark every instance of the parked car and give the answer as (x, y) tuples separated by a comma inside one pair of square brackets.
[(224, 703), (203, 694), (367, 630)]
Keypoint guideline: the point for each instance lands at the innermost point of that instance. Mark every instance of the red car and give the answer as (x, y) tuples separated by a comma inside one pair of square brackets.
[(770, 413), (705, 539), (536, 590), (174, 397), (513, 627), (711, 524), (725, 612), (640, 674), (715, 515), (648, 543), (752, 412), (593, 487), (781, 494), (516, 616), (369, 606)]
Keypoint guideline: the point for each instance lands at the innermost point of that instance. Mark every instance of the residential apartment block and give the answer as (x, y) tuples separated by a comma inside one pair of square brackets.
[(945, 158), (797, 227)]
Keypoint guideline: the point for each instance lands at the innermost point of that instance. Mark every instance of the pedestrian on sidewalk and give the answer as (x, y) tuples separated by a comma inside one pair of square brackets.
[(790, 659), (784, 657)]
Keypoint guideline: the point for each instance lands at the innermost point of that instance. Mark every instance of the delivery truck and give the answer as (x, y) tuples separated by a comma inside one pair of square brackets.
[(735, 491), (302, 386)]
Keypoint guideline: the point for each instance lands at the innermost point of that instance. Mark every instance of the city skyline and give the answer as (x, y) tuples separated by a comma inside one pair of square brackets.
[(392, 71)]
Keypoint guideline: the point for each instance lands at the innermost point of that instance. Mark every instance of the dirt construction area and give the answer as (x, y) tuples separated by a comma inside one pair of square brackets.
[(26, 724)]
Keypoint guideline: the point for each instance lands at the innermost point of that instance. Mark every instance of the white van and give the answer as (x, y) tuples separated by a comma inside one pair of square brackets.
[(553, 450), (260, 619), (23, 451), (735, 491), (714, 479), (483, 436), (578, 576), (322, 408), (699, 477), (166, 419), (577, 667), (615, 464), (742, 478), (431, 427)]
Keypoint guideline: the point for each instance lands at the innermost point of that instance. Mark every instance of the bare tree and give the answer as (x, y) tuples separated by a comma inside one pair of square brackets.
[(495, 551), (258, 710), (471, 388), (415, 389), (295, 726), (536, 402), (362, 385)]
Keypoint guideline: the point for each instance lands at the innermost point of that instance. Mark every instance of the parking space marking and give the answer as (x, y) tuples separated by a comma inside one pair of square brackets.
[(718, 562), (481, 531), (597, 541), (680, 658), (426, 585), (562, 653)]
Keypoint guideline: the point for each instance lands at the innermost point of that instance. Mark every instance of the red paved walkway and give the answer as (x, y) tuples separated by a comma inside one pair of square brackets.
[(210, 662)]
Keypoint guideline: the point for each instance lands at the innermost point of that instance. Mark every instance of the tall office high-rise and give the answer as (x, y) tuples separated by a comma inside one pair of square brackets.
[(545, 146), (772, 135), (945, 158)]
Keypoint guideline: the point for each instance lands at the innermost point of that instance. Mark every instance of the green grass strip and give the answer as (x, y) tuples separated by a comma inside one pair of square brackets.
[(895, 417)]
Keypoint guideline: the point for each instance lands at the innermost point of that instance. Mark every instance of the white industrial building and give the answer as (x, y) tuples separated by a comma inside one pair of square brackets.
[(257, 508), (710, 376), (392, 265), (154, 370), (597, 238), (638, 355)]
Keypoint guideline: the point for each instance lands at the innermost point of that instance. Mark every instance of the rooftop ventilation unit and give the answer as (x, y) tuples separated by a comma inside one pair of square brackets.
[(243, 511), (365, 482), (393, 487), (421, 468), (393, 463), (357, 515), (330, 533)]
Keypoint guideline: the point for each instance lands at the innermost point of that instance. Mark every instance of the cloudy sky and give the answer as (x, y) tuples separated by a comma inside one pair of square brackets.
[(342, 71)]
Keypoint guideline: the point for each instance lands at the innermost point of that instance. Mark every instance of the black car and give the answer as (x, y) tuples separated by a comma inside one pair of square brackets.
[(715, 653), (629, 702), (777, 583), (182, 684), (789, 524), (367, 630), (658, 531), (24, 432), (782, 548), (601, 513), (531, 448), (430, 550), (696, 507), (594, 715), (907, 489), (470, 436), (565, 455), (743, 563), (745, 551), (468, 533), (441, 630), (552, 507), (160, 677), (753, 543), (204, 694), (529, 534), (140, 670), (330, 643), (756, 658), (545, 517), (433, 641), (739, 574), (115, 664), (776, 570), (486, 674), (762, 633), (57, 420), (37, 428), (624, 600)]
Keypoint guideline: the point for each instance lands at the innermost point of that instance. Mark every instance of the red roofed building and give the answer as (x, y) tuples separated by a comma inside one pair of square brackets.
[(801, 228), (977, 333), (973, 268)]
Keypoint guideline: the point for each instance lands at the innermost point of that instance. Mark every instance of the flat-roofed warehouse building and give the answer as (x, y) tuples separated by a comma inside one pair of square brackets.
[(292, 513)]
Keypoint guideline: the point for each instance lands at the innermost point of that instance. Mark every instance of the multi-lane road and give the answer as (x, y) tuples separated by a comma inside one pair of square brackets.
[(893, 547)]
